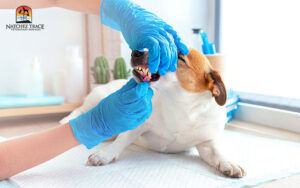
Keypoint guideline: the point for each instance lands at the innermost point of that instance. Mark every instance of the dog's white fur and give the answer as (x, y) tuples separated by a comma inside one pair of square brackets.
[(180, 120)]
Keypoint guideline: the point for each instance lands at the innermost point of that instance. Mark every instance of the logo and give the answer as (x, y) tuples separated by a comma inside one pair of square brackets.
[(23, 14), (24, 21)]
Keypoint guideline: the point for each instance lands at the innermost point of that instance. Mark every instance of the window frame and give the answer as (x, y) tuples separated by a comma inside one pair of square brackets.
[(272, 117), (273, 111)]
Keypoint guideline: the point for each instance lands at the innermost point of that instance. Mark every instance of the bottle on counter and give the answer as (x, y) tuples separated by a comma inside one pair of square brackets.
[(74, 79), (35, 87), (196, 40)]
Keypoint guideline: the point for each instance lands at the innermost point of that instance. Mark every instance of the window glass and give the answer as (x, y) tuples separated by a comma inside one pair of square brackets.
[(261, 39)]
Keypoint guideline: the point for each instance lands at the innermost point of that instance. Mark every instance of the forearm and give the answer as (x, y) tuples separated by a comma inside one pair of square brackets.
[(26, 152), (86, 6), (13, 4)]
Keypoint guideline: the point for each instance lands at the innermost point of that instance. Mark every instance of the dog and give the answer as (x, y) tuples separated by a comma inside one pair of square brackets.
[(187, 112)]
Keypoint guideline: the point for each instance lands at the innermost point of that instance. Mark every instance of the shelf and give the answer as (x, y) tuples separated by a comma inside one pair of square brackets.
[(38, 110)]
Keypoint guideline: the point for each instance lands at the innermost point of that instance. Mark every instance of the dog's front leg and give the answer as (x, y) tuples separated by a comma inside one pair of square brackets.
[(112, 151), (210, 153)]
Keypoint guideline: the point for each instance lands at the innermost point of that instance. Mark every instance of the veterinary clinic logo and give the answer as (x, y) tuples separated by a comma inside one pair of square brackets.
[(24, 21), (23, 14)]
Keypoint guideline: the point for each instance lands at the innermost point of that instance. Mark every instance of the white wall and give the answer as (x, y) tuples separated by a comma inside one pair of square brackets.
[(183, 15), (62, 28)]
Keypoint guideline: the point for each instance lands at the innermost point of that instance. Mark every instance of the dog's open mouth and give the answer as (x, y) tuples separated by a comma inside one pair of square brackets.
[(144, 75)]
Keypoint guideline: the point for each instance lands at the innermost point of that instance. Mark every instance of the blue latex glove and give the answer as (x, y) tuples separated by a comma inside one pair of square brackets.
[(121, 111), (142, 29)]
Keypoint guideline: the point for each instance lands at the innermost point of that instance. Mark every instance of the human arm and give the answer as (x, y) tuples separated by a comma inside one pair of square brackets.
[(123, 110), (22, 153), (86, 6)]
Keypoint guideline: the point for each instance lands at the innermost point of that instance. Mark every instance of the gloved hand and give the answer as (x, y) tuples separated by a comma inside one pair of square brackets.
[(142, 29), (123, 110)]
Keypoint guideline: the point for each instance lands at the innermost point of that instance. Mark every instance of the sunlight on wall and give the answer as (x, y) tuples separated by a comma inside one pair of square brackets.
[(261, 39)]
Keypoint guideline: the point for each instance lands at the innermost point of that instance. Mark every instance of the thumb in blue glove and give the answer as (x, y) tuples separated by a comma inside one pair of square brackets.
[(142, 29), (121, 111)]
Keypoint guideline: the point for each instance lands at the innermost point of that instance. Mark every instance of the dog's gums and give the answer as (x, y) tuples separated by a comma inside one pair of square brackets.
[(144, 75)]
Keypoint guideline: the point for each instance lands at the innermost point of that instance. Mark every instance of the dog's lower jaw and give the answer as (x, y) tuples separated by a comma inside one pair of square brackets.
[(138, 80)]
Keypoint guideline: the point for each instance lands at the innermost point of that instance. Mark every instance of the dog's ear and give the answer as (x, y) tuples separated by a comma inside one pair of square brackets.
[(217, 87)]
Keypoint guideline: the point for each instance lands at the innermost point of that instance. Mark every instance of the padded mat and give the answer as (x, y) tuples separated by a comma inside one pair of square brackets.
[(264, 160)]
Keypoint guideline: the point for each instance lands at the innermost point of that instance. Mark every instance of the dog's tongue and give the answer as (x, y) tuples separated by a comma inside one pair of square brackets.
[(144, 72), (147, 79)]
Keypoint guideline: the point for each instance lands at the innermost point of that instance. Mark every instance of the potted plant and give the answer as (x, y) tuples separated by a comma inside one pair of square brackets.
[(100, 71), (120, 71)]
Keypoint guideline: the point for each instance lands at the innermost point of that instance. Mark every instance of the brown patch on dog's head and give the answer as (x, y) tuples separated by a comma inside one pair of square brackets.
[(196, 75)]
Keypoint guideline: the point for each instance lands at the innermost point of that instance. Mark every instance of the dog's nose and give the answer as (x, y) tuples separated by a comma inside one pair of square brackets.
[(137, 53)]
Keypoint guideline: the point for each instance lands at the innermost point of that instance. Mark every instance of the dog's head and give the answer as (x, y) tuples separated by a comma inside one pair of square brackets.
[(194, 73)]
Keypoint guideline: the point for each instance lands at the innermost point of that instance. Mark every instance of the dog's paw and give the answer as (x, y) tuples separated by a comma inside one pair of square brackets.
[(230, 169), (101, 158)]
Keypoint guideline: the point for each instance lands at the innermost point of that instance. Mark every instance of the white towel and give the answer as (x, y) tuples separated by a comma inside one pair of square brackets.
[(264, 160)]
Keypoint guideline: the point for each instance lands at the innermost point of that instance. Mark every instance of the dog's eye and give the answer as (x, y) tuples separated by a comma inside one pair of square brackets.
[(182, 59)]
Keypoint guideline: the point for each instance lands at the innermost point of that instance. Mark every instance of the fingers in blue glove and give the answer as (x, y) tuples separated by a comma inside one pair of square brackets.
[(130, 84), (165, 56), (139, 106), (180, 45), (146, 115), (153, 46), (134, 94), (173, 51)]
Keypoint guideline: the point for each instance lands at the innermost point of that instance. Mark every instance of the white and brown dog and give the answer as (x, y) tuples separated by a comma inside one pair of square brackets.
[(187, 112)]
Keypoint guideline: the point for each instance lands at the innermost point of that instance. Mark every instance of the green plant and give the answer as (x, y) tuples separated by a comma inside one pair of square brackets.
[(100, 70), (120, 71)]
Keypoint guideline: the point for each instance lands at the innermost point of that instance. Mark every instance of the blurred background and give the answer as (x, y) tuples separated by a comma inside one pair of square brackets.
[(255, 47), (65, 28)]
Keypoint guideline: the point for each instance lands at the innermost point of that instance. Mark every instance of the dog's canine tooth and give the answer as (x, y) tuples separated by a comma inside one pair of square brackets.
[(143, 71)]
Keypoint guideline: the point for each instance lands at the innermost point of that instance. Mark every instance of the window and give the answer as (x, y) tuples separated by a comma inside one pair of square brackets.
[(261, 39)]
